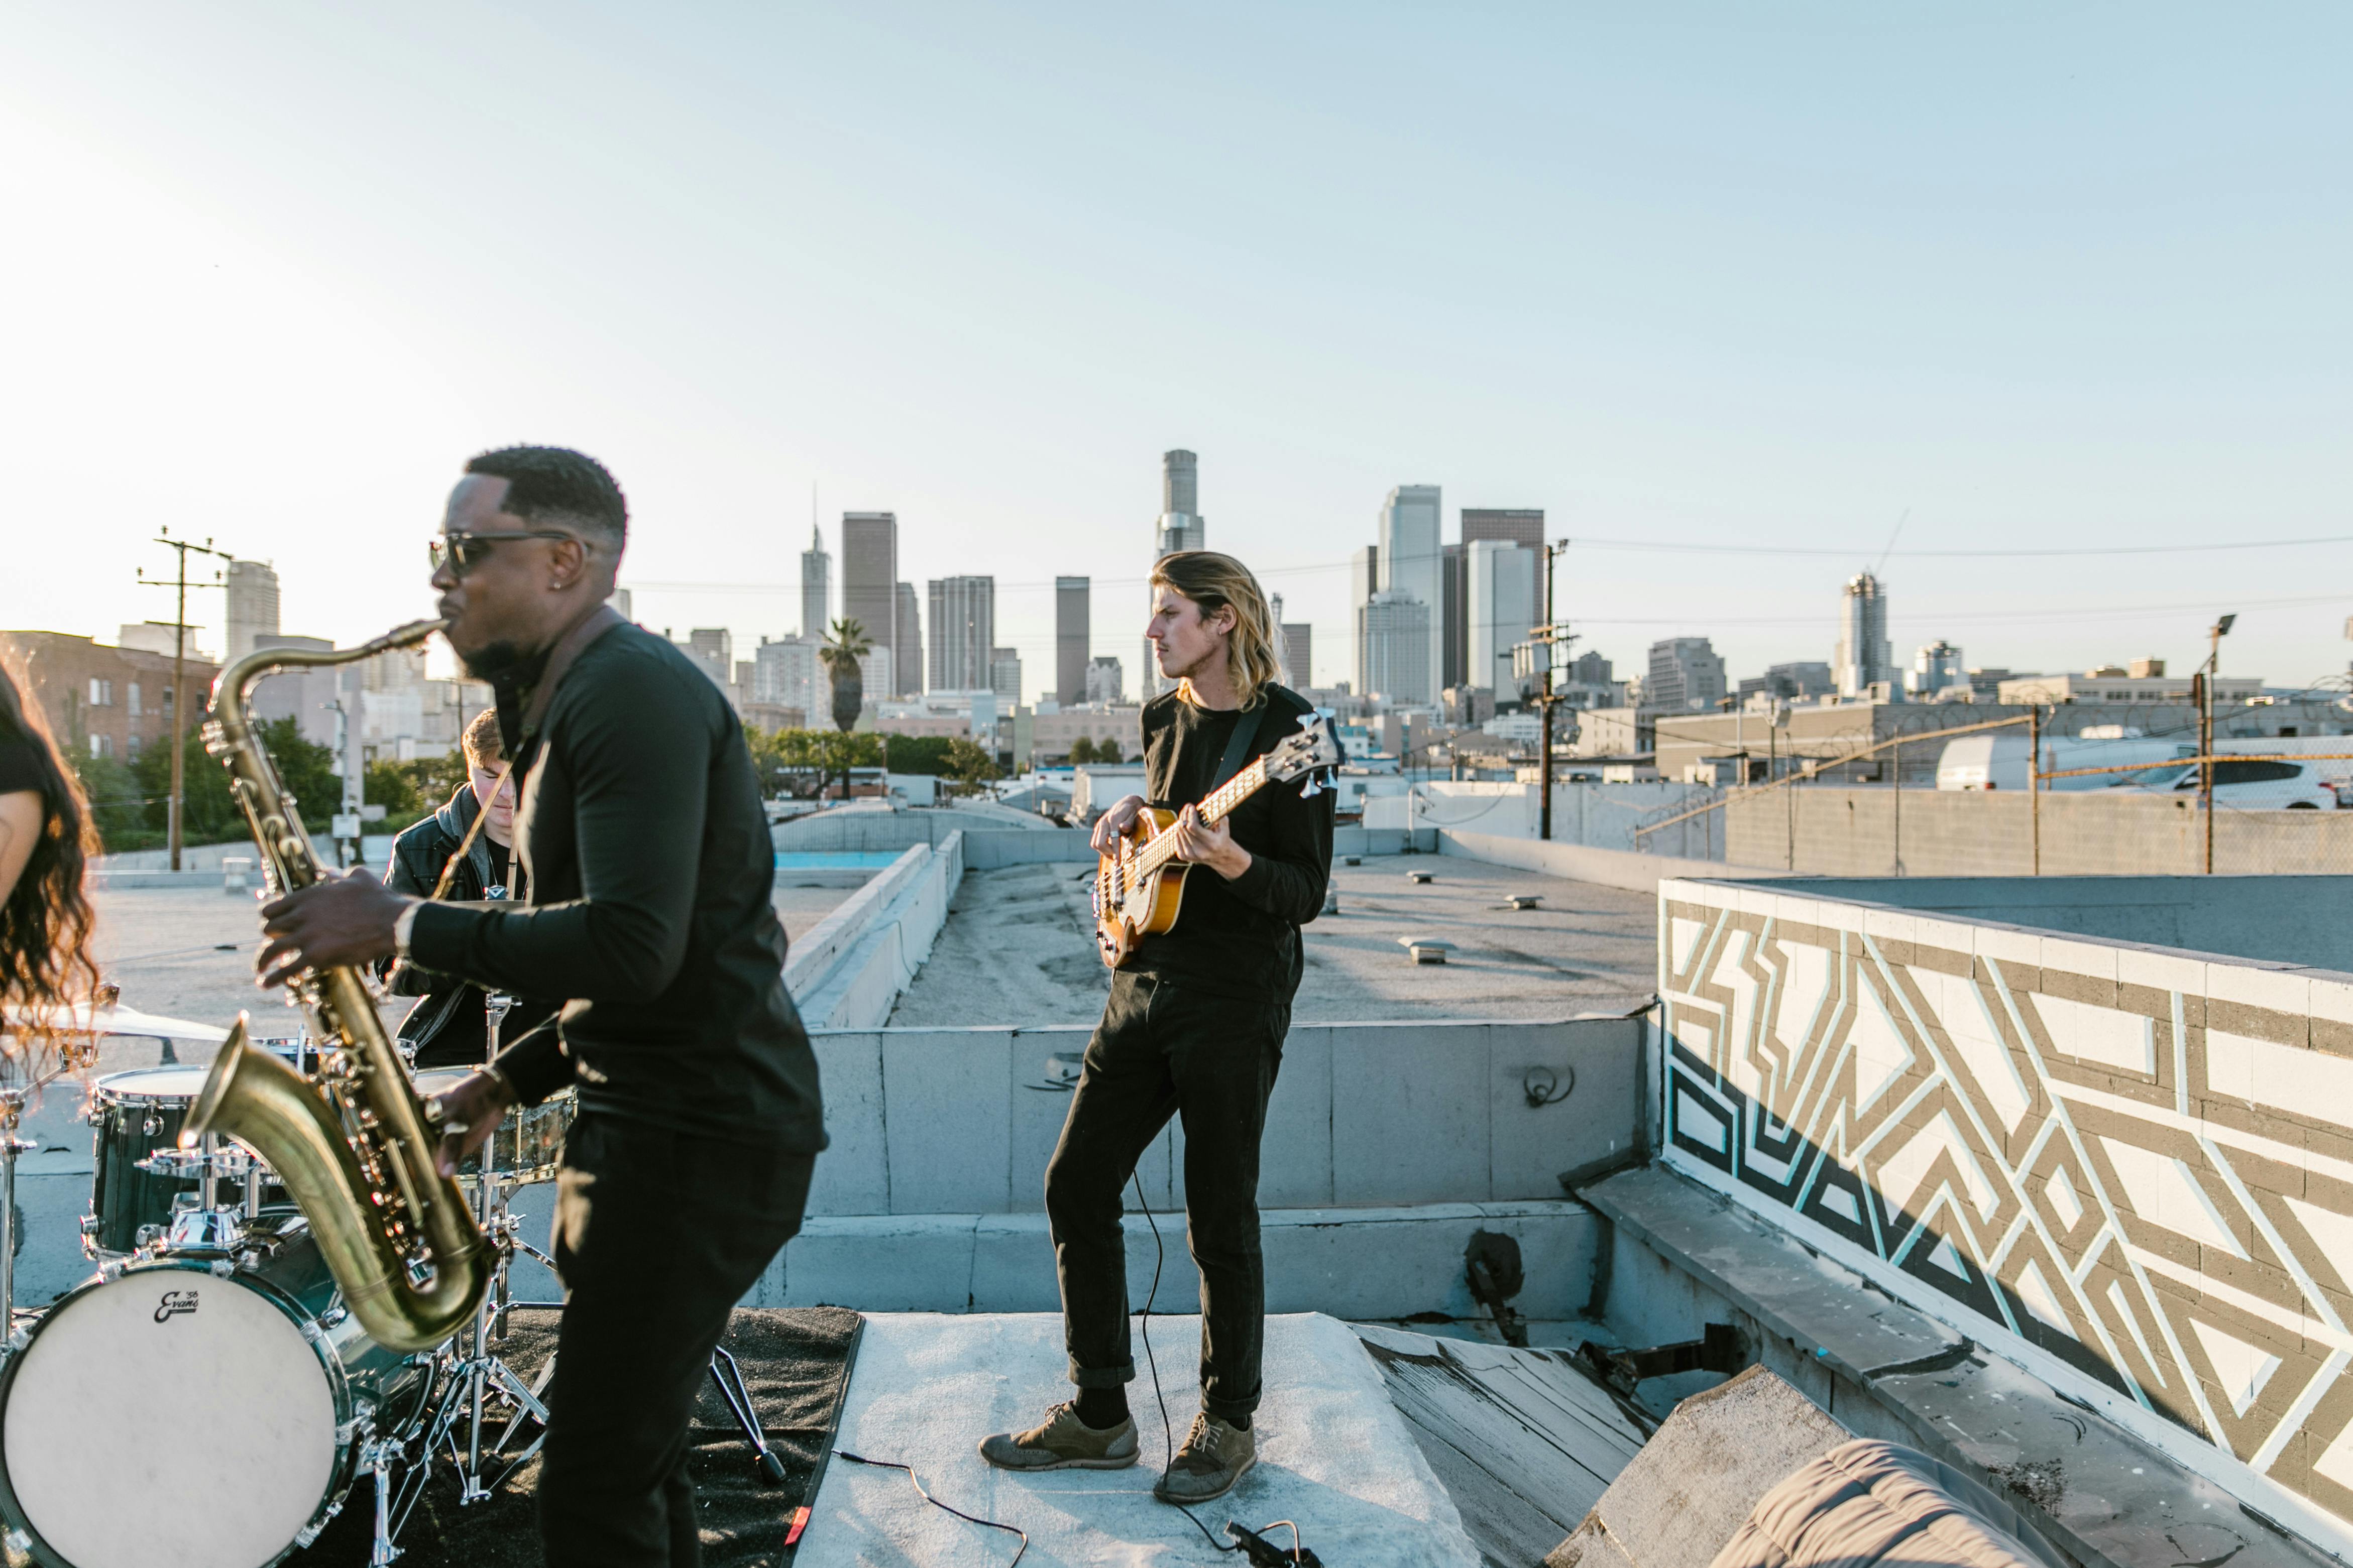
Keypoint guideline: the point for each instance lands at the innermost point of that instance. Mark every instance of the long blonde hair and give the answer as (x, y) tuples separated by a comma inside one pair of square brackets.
[(1216, 582)]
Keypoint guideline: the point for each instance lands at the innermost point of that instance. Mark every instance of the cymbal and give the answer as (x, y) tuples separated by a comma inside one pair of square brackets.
[(84, 1018)]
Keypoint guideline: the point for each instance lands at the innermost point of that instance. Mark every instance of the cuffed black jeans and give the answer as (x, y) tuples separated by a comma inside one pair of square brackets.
[(658, 1235), (1162, 1050)]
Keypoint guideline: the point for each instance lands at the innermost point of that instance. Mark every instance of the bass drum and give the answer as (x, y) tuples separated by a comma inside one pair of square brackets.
[(174, 1414)]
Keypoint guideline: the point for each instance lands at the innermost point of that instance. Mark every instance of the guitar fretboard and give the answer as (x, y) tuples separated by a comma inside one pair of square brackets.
[(1227, 796)]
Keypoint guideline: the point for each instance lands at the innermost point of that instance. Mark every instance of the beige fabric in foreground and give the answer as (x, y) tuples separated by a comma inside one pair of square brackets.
[(1869, 1502)]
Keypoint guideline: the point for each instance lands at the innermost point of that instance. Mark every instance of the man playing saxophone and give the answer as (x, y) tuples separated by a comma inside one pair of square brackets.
[(646, 866)]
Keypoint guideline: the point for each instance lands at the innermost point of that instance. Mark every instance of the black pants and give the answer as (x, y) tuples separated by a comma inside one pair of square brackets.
[(658, 1235), (1163, 1050)]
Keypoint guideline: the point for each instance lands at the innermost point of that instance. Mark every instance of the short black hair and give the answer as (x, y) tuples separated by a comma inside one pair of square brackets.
[(556, 484)]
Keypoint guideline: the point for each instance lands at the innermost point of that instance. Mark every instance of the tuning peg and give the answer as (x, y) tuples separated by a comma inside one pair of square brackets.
[(1311, 788)]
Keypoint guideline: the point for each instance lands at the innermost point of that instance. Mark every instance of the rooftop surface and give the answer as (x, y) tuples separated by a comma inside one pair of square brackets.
[(1018, 948), (1333, 1454)]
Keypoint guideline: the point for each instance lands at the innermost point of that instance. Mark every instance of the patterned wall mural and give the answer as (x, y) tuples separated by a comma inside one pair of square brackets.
[(2136, 1161)]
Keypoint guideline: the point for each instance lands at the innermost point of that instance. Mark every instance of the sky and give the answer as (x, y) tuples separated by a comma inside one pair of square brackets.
[(1748, 298)]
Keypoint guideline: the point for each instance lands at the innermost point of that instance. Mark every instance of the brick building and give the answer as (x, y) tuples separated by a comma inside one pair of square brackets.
[(102, 701)]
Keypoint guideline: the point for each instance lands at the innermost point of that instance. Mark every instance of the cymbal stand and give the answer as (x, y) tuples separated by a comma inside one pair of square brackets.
[(12, 1112), (483, 1377)]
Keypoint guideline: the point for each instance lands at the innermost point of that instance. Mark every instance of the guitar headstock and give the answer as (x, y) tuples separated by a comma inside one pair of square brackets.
[(1313, 753)]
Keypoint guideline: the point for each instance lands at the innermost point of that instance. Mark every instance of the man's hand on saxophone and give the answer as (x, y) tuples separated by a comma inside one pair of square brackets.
[(348, 919)]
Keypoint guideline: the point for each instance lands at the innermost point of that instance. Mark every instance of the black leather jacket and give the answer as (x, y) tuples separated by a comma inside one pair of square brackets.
[(447, 1028)]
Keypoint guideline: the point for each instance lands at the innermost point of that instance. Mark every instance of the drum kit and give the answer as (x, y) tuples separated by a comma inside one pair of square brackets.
[(208, 1399)]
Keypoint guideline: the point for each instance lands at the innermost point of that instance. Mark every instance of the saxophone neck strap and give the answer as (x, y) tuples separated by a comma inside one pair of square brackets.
[(560, 659)]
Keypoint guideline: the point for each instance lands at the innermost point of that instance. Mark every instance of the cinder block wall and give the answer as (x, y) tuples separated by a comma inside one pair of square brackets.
[(1876, 832)]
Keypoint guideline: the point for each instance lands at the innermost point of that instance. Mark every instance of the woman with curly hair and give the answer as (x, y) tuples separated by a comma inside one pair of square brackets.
[(45, 838)]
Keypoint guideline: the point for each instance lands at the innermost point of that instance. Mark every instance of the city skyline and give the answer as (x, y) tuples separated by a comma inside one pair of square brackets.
[(1775, 283)]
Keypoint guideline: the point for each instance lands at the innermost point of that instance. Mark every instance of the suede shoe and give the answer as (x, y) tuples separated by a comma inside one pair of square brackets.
[(1215, 1456), (1063, 1443)]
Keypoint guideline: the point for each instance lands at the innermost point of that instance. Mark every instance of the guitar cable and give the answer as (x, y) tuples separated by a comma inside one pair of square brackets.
[(1245, 1541)]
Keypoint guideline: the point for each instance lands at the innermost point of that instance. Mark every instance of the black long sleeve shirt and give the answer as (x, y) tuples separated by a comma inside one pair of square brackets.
[(1241, 938), (648, 870)]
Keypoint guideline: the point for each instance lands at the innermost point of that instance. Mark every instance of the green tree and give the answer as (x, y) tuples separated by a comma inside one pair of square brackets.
[(1107, 750), (918, 754), (393, 787), (1083, 751), (117, 801), (968, 764)]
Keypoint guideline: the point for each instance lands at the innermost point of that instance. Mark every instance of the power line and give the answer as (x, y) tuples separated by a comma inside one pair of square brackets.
[(1660, 546)]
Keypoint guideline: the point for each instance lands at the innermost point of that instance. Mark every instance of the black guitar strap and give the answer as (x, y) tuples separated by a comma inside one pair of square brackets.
[(1237, 748)]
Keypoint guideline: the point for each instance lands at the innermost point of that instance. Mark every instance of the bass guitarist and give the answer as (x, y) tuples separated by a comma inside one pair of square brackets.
[(1194, 1028)]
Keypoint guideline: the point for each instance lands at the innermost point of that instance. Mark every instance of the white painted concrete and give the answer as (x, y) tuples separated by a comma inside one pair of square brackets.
[(848, 972), (1579, 863), (1333, 1455), (957, 1122), (1361, 1263)]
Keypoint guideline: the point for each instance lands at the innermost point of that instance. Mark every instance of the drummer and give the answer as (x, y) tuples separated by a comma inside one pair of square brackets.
[(448, 1026)]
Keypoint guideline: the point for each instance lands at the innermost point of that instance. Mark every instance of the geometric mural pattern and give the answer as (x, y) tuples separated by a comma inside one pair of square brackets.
[(2151, 1183)]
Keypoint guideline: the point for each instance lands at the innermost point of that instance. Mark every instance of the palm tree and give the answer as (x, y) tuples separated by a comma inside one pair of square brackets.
[(840, 654)]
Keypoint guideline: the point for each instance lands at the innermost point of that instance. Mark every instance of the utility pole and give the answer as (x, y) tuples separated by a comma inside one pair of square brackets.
[(2204, 692), (1541, 654), (180, 584)]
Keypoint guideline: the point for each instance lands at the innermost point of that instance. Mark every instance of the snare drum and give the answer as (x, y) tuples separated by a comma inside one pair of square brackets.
[(134, 1114), (196, 1412), (529, 1143)]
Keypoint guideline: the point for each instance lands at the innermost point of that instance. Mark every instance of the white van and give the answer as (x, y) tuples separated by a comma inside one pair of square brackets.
[(1997, 760)]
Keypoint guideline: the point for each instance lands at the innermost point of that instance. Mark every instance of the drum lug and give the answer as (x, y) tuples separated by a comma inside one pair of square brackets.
[(222, 1268), (314, 1334), (19, 1339), (90, 1224)]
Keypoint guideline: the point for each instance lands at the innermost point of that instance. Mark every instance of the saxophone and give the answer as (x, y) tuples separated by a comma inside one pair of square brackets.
[(353, 1145)]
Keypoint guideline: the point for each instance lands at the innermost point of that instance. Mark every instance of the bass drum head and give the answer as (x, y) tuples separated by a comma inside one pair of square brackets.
[(168, 1416)]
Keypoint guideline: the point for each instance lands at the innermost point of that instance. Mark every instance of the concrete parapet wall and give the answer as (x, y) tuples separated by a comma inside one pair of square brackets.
[(1350, 1263), (870, 828), (2128, 1168), (1608, 868), (848, 971), (1879, 832), (964, 1121)]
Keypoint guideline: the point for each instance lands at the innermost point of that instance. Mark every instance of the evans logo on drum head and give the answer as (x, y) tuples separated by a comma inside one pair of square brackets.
[(174, 1304)]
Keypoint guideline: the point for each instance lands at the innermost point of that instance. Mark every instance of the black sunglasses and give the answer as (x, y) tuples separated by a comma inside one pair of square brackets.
[(464, 552)]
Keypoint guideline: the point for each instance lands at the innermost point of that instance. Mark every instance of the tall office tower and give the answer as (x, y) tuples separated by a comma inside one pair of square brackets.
[(1454, 617), (1180, 526), (1937, 668), (1071, 631), (1591, 669), (1394, 631), (870, 579), (1686, 676), (253, 606), (1364, 581), (1865, 654), (1299, 653), (1004, 673), (714, 647), (1104, 683), (816, 585), (1412, 563), (787, 673), (907, 643), (964, 633), (1495, 579), (1512, 525)]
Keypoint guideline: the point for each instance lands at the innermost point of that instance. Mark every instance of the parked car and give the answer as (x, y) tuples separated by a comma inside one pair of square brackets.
[(2245, 784)]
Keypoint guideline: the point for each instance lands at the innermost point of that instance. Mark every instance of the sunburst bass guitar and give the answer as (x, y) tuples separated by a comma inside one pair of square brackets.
[(1139, 885)]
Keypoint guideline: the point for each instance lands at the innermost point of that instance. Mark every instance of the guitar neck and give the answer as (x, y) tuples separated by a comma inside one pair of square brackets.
[(1220, 803)]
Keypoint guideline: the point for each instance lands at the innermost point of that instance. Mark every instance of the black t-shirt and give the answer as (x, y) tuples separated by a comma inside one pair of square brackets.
[(21, 765), (498, 863), (1241, 938)]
